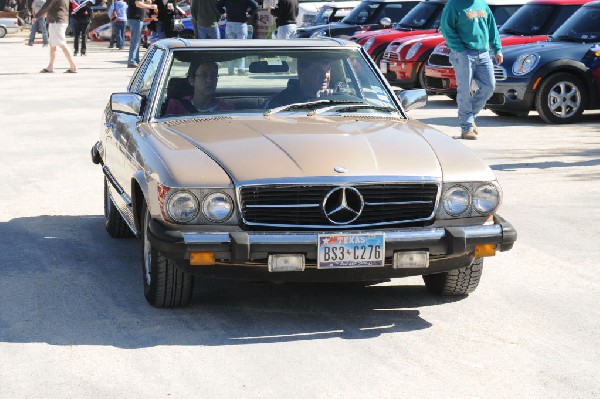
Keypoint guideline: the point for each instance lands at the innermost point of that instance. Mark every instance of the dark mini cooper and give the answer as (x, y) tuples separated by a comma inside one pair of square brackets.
[(553, 77)]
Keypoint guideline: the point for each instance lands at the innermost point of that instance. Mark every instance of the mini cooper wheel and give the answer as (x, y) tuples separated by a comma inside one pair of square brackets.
[(113, 221), (460, 281), (165, 286), (561, 99)]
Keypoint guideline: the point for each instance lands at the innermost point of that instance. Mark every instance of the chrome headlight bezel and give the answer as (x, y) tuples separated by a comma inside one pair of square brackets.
[(525, 63), (221, 199), (182, 206), (412, 51), (478, 199), (369, 43)]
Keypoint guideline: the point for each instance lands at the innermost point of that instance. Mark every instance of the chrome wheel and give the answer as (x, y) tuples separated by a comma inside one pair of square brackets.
[(564, 99)]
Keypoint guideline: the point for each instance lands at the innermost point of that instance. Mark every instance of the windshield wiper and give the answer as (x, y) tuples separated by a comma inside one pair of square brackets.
[(352, 105), (308, 104), (567, 38), (512, 32)]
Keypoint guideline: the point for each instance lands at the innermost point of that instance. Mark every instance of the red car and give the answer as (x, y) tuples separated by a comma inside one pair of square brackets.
[(533, 22), (403, 60), (423, 18)]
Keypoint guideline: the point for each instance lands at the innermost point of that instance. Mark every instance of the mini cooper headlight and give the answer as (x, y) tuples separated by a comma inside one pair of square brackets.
[(182, 206), (413, 50), (525, 64), (217, 207), (456, 200), (486, 198), (369, 43)]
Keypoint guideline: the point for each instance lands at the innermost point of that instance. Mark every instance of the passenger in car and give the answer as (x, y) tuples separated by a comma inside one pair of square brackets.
[(203, 77), (313, 81)]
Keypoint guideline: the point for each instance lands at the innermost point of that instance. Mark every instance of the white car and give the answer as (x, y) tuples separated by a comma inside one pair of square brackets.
[(308, 9), (8, 25)]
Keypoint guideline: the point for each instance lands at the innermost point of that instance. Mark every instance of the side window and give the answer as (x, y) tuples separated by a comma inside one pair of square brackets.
[(148, 72)]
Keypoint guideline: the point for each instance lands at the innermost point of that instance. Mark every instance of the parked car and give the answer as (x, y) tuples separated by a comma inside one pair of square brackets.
[(8, 25), (533, 22), (423, 19), (342, 186), (332, 12), (594, 64), (404, 59), (552, 77), (308, 10), (368, 15)]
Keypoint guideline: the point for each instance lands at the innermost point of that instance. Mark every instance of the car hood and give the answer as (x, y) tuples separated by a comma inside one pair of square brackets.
[(551, 50), (263, 148)]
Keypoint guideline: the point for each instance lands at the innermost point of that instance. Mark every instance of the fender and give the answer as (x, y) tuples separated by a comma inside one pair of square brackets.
[(139, 193), (562, 65)]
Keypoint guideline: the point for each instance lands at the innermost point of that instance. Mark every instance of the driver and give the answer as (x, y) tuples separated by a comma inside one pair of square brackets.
[(313, 80)]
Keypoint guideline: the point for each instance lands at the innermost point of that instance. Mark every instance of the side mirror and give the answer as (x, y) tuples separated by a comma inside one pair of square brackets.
[(126, 103), (412, 99), (385, 22)]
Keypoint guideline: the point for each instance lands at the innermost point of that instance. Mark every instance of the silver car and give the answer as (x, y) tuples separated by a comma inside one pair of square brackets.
[(289, 161)]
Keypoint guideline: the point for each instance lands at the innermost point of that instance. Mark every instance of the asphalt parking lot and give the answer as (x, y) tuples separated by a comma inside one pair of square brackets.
[(74, 323)]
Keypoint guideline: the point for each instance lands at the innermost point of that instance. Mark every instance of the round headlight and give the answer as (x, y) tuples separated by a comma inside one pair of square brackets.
[(318, 33), (525, 63), (182, 206), (486, 198), (217, 207), (456, 200), (369, 43), (413, 50)]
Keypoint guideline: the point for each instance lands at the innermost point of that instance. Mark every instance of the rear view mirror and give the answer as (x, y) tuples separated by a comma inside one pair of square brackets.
[(385, 22), (412, 99), (266, 67), (126, 103)]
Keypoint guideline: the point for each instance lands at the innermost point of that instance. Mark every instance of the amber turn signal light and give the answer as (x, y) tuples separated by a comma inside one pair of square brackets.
[(202, 258), (485, 250)]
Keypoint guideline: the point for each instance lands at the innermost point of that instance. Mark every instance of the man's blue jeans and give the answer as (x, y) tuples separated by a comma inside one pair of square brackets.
[(203, 32), (286, 31), (119, 31), (469, 66), (135, 27), (40, 23), (236, 30)]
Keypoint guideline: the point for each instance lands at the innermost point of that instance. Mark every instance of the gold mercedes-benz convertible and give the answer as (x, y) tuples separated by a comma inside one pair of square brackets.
[(289, 160)]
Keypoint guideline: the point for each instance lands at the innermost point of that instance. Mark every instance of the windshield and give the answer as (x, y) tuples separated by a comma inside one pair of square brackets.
[(537, 19), (424, 15), (371, 13), (583, 26), (329, 14), (225, 81)]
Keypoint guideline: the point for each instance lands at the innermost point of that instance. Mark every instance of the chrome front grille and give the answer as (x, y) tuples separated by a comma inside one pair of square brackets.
[(302, 206)]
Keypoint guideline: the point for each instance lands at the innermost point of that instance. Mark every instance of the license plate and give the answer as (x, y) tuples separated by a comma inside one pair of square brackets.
[(351, 250)]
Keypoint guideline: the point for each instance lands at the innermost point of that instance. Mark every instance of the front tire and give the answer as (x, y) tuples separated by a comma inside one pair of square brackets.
[(113, 221), (165, 286), (461, 281), (561, 99)]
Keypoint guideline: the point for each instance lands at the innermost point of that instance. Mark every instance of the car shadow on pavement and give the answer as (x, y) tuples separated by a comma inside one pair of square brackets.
[(66, 282)]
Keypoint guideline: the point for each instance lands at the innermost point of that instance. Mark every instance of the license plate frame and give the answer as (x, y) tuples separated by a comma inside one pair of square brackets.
[(340, 251)]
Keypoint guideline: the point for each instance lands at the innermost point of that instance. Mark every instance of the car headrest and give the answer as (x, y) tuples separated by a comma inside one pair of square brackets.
[(179, 88)]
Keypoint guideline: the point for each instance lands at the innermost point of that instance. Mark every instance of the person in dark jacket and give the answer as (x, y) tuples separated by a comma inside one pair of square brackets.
[(206, 19), (167, 11), (286, 13), (237, 26), (82, 14)]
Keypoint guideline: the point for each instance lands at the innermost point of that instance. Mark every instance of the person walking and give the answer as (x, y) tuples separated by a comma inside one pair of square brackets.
[(286, 13), (469, 28), (82, 14), (136, 11), (57, 13), (206, 19), (38, 23), (118, 13), (237, 26)]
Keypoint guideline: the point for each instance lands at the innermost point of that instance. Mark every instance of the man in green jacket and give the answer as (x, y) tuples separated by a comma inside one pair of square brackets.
[(206, 19), (470, 31)]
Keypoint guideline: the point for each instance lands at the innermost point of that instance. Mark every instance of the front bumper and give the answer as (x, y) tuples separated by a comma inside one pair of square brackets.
[(401, 73), (512, 94), (244, 254), (440, 79)]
